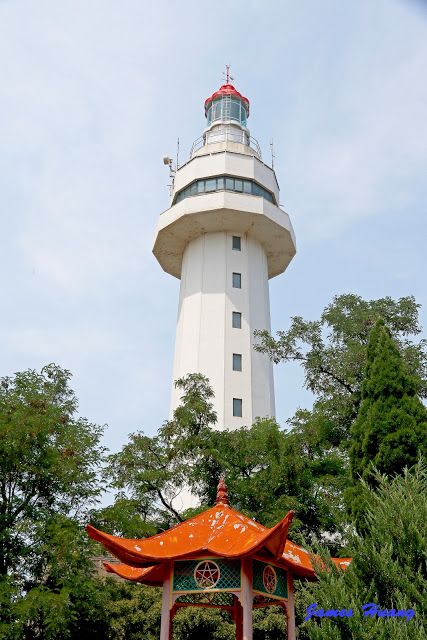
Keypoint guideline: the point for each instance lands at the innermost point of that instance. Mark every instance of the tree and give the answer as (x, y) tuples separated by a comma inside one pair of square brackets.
[(150, 472), (49, 459), (132, 611), (390, 430), (389, 568), (270, 471), (391, 427), (49, 463), (193, 623), (63, 598), (333, 352)]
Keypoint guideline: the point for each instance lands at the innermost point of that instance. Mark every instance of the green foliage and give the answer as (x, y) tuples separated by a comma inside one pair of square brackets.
[(49, 465), (389, 567), (49, 459), (128, 517), (57, 596), (333, 353), (391, 428), (270, 471), (192, 624), (131, 611), (269, 624), (151, 471), (49, 481)]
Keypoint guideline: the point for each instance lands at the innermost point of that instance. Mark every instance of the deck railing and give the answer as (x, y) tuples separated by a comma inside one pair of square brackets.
[(223, 135)]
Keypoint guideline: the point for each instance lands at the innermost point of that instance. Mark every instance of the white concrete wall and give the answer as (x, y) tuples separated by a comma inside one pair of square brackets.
[(225, 161), (205, 338), (224, 211)]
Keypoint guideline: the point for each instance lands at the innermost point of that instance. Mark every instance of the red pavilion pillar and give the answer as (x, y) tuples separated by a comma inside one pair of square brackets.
[(165, 626), (247, 598), (290, 606), (238, 618)]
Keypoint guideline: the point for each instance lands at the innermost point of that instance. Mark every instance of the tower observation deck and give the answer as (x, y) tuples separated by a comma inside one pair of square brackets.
[(224, 235)]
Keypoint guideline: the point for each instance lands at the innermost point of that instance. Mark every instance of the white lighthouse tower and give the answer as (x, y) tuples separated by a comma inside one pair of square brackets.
[(224, 236)]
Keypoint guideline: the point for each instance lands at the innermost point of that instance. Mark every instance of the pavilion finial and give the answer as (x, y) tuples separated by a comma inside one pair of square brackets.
[(222, 492)]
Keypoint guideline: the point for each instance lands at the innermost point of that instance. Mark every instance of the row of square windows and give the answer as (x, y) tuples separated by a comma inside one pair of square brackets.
[(237, 283), (237, 402), (237, 277), (237, 324)]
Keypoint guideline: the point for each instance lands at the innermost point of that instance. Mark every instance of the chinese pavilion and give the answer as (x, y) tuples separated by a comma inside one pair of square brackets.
[(218, 559)]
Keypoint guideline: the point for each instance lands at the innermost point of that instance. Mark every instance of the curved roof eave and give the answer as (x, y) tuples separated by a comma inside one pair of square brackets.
[(219, 530)]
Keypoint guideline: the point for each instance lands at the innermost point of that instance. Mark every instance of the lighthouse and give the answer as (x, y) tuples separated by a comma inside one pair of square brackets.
[(224, 236)]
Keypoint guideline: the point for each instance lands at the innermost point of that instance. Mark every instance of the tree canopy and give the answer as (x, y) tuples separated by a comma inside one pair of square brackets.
[(333, 352), (389, 567), (49, 458), (390, 430), (49, 479)]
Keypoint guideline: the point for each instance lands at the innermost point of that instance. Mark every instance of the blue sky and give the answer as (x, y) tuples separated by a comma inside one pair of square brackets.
[(93, 94)]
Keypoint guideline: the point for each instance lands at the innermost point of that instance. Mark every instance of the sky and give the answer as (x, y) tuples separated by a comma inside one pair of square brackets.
[(94, 93)]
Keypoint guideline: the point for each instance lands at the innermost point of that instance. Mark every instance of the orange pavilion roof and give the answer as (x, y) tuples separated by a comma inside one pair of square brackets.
[(152, 576), (219, 531)]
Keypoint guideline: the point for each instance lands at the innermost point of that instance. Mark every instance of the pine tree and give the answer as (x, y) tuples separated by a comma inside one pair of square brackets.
[(388, 568), (389, 432)]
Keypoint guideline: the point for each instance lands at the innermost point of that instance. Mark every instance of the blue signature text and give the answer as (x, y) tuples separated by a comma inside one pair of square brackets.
[(370, 610)]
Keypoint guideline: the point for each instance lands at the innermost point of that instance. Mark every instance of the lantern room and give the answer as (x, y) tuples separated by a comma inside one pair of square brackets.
[(227, 112), (227, 105)]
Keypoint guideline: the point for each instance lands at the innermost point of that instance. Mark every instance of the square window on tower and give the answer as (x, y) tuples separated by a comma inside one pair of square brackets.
[(237, 243), (237, 320), (237, 407), (237, 361), (237, 280)]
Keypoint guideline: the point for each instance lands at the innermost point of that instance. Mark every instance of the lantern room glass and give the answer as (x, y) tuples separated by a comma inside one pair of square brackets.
[(227, 108)]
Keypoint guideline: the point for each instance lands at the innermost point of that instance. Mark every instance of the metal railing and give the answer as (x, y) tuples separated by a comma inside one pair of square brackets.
[(223, 135)]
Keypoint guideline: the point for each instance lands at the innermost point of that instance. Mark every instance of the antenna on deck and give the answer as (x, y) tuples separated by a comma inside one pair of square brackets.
[(273, 155), (177, 155)]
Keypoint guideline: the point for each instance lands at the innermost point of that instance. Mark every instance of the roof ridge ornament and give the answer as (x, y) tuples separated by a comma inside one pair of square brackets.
[(222, 492)]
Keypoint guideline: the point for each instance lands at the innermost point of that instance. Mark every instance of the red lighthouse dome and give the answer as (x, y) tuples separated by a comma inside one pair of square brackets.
[(224, 91), (227, 105)]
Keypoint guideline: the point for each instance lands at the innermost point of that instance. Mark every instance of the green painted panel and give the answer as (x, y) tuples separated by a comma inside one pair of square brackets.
[(205, 575), (269, 579)]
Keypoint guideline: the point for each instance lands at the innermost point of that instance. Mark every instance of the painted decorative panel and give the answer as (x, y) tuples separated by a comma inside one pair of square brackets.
[(270, 580), (206, 575)]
